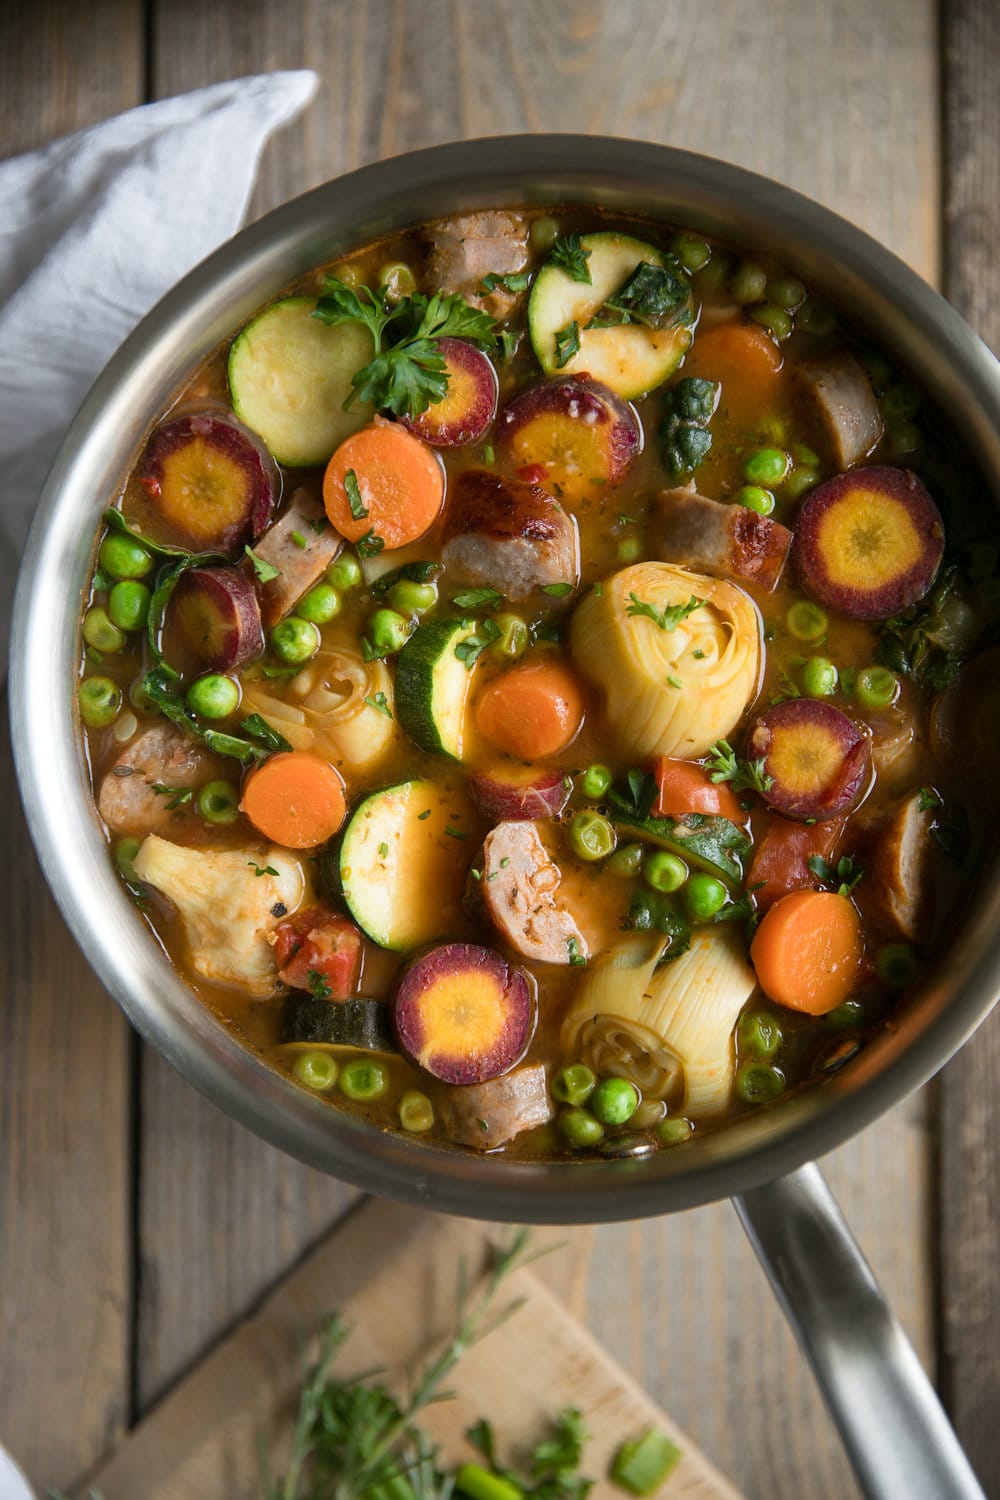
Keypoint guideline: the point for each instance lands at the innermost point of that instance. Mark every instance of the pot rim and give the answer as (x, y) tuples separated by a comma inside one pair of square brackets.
[(924, 334)]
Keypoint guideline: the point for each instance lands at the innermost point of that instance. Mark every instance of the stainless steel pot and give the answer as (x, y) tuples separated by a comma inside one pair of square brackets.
[(895, 1430)]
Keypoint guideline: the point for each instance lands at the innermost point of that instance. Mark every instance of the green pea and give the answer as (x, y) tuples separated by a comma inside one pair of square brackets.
[(573, 1084), (900, 404), (801, 479), (773, 318), (128, 604), (759, 1032), (786, 291), (674, 1130), (595, 782), (363, 1079), (389, 631), (139, 697), (100, 632), (614, 1101), (397, 281), (876, 687), (218, 802), (543, 233), (803, 454), (774, 429), (749, 284), (349, 273), (125, 853), (906, 438), (703, 896), (321, 605), (629, 549), (591, 836), (579, 1127), (344, 572), (819, 677), (755, 498), (806, 621), (664, 872), (759, 1083), (123, 557), (295, 640), (815, 317), (416, 1112), (413, 598), (715, 275), (214, 696), (897, 965), (514, 638), (317, 1070), (626, 861), (692, 252), (100, 701), (845, 1017), (765, 466)]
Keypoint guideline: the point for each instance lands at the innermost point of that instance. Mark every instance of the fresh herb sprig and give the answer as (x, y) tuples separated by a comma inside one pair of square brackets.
[(667, 618), (841, 877), (742, 775), (569, 255)]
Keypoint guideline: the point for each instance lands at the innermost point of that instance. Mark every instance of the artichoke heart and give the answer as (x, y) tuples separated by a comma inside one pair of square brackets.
[(341, 707), (672, 686), (668, 1029)]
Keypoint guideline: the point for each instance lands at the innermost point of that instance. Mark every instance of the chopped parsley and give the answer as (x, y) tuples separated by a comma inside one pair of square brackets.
[(369, 545), (489, 453), (570, 256), (425, 814), (383, 850), (300, 540), (557, 590), (179, 795), (453, 832), (470, 650), (928, 799), (513, 281), (261, 869), (257, 728), (265, 571), (478, 599), (674, 682), (651, 295), (742, 775), (843, 876), (667, 618), (567, 343), (381, 703), (354, 500), (576, 957)]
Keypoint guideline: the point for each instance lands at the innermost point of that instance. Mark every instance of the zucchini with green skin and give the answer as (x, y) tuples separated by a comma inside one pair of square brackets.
[(702, 839), (358, 1022), (632, 358), (289, 376), (432, 685)]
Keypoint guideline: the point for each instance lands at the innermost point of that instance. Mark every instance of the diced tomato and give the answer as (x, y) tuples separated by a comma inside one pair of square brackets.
[(685, 787), (318, 941), (781, 857)]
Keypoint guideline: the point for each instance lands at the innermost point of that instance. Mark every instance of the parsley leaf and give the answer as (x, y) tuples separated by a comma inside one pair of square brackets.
[(567, 343), (652, 295), (261, 869), (928, 799), (318, 986), (265, 571), (557, 590), (576, 957), (667, 618), (742, 775), (478, 599), (570, 256), (381, 703), (470, 650), (907, 642), (179, 795), (843, 876), (354, 500), (257, 728), (369, 545), (514, 281)]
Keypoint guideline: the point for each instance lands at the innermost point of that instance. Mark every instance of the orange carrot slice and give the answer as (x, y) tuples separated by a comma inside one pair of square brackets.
[(808, 950), (295, 799), (685, 787), (384, 485), (746, 361), (533, 710)]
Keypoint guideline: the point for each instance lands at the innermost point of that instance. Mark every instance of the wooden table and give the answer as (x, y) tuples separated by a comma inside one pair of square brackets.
[(136, 1222)]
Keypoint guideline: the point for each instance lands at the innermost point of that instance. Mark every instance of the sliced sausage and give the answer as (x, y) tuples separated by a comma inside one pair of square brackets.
[(299, 566), (464, 249), (520, 888), (730, 541), (161, 756), (895, 851), (486, 1115), (839, 393), (509, 534)]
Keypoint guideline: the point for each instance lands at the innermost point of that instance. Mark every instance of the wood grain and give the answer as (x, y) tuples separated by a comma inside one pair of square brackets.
[(969, 1185), (680, 1301)]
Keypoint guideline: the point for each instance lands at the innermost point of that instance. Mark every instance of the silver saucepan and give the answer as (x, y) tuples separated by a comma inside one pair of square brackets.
[(895, 1431)]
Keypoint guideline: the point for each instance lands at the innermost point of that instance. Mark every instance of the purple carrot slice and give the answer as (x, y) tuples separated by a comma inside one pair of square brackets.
[(209, 481), (463, 1014), (868, 543), (468, 408), (215, 616), (817, 759), (511, 793), (570, 436)]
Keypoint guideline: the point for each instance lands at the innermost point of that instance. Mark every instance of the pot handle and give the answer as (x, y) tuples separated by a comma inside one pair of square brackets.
[(894, 1428)]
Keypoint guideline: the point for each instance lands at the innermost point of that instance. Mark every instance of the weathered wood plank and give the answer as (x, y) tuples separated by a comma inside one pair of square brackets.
[(65, 1050), (968, 1208), (679, 1295)]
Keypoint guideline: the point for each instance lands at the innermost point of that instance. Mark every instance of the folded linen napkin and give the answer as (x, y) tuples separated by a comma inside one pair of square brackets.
[(94, 229)]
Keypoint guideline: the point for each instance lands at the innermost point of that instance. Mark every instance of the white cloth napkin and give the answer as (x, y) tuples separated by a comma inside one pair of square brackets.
[(94, 228)]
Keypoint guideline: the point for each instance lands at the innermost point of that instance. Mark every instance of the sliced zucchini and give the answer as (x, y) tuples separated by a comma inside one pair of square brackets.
[(432, 686), (402, 866), (631, 359), (357, 1022), (289, 376)]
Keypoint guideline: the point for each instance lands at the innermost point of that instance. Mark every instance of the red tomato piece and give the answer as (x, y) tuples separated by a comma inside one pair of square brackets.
[(684, 787), (781, 857), (318, 941)]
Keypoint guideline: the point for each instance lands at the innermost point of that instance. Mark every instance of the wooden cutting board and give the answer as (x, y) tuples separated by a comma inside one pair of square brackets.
[(393, 1274)]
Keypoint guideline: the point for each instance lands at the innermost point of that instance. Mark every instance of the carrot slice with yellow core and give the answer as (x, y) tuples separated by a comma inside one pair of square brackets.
[(385, 484), (815, 758), (295, 799), (463, 1013), (808, 950), (572, 435)]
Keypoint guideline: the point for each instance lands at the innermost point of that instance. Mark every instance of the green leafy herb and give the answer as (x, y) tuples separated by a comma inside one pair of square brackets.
[(469, 651), (369, 545), (569, 255), (567, 343), (742, 775), (557, 590), (667, 618), (906, 642), (652, 295), (652, 911), (514, 281), (179, 796), (489, 454), (842, 877), (318, 986), (162, 686), (257, 728), (299, 540), (261, 869), (381, 703), (453, 832), (423, 815), (928, 799), (265, 571), (115, 521), (383, 850), (576, 957), (674, 682), (478, 599), (688, 409), (354, 500), (553, 1466), (413, 572), (507, 342)]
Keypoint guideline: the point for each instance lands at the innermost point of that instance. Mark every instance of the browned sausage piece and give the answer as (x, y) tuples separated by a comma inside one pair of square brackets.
[(895, 851), (464, 249), (299, 566), (520, 886), (486, 1115), (731, 541), (839, 392), (161, 756), (510, 535)]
